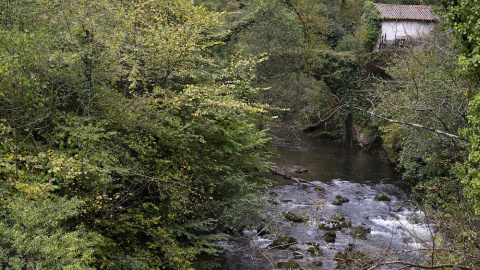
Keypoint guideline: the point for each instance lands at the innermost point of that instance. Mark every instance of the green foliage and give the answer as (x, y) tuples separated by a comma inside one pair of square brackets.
[(123, 141), (463, 17), (35, 229), (428, 90), (370, 31), (35, 236), (297, 37), (469, 171)]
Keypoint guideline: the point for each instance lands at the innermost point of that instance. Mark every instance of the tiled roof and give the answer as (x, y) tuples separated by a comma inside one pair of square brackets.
[(406, 12)]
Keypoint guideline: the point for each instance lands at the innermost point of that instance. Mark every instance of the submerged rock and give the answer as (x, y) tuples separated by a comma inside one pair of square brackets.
[(294, 218), (317, 264), (383, 198), (288, 265), (283, 242)]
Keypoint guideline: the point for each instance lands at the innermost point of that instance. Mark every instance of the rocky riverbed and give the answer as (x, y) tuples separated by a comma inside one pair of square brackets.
[(352, 213)]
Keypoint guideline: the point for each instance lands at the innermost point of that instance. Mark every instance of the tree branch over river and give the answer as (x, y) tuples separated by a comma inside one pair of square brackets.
[(410, 124)]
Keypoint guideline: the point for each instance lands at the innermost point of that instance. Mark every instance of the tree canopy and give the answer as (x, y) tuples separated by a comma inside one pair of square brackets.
[(125, 144)]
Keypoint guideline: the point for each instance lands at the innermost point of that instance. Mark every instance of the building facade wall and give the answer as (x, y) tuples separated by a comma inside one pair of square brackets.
[(393, 31)]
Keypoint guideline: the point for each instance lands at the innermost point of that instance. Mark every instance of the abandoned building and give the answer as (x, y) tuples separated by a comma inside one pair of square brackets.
[(402, 23)]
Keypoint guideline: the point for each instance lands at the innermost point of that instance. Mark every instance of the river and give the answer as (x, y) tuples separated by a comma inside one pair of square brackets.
[(337, 170)]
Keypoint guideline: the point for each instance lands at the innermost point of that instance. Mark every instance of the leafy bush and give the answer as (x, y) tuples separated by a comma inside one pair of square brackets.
[(370, 31)]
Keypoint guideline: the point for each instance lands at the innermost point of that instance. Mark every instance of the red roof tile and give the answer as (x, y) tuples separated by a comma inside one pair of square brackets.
[(406, 12)]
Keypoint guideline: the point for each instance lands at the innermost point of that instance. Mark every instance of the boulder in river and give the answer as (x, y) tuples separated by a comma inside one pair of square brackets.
[(332, 225), (342, 199), (315, 250), (346, 224), (294, 218), (338, 217), (301, 171), (359, 232), (330, 237), (283, 242), (319, 188)]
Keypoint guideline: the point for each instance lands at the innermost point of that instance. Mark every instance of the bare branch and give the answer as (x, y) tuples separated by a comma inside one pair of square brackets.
[(289, 177), (411, 124), (421, 265)]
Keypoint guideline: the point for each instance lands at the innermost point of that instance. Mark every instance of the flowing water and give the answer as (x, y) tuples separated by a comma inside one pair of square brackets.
[(340, 170)]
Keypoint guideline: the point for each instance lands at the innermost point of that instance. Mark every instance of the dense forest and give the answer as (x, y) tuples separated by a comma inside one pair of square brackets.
[(134, 132)]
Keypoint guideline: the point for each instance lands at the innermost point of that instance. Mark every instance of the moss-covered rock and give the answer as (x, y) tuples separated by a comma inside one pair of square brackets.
[(301, 171), (338, 217), (346, 224), (352, 260), (319, 188), (283, 242), (294, 218), (359, 232), (332, 234), (317, 264), (383, 198), (342, 199), (315, 250), (288, 265), (337, 203), (330, 237)]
